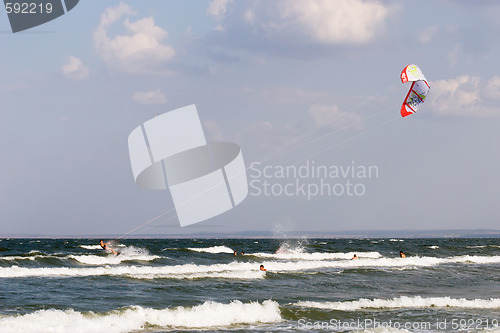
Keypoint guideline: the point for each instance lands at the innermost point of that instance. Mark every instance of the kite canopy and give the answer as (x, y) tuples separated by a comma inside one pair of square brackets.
[(418, 90)]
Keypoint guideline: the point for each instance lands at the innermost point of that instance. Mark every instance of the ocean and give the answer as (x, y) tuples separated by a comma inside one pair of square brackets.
[(170, 285)]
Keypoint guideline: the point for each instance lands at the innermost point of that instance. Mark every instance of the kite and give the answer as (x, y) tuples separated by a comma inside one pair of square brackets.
[(418, 90)]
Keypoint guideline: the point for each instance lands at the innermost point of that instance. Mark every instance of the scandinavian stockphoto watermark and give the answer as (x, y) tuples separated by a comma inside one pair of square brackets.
[(310, 179), (454, 324), (26, 14), (171, 151)]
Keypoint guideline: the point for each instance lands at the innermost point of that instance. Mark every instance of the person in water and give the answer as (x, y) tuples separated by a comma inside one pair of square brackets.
[(355, 257), (401, 254), (262, 268), (106, 247), (235, 253)]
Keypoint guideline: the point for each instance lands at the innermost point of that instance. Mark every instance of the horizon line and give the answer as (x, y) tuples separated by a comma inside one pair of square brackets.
[(407, 233)]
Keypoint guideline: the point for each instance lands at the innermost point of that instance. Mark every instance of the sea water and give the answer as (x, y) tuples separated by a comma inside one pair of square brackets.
[(164, 285)]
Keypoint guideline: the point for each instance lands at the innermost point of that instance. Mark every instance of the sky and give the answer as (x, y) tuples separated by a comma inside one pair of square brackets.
[(298, 85)]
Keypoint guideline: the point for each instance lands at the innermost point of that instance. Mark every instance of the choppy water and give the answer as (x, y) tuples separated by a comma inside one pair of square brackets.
[(156, 285)]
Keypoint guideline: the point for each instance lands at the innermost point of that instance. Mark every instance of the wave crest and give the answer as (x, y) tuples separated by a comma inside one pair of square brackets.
[(212, 249), (405, 302), (207, 315), (125, 254)]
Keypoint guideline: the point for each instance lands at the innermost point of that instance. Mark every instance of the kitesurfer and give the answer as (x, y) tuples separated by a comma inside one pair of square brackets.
[(106, 247)]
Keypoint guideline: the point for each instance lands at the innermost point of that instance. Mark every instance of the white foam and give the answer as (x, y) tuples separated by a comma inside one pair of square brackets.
[(110, 259), (397, 263), (385, 330), (296, 251), (207, 315), (241, 270), (189, 271), (300, 255), (292, 246), (405, 302), (482, 246), (13, 258), (475, 259), (91, 247), (96, 260), (213, 249), (125, 254), (434, 247)]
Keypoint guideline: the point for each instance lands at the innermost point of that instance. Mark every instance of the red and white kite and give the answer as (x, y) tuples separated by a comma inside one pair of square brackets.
[(418, 90)]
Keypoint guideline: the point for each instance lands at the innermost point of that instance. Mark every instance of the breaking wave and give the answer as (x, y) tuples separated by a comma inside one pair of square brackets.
[(207, 315), (91, 247), (233, 270), (187, 271), (296, 251), (213, 249), (125, 254), (405, 302), (301, 255)]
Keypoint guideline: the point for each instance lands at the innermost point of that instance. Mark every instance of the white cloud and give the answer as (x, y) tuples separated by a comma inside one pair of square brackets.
[(428, 34), (332, 116), (213, 131), (349, 22), (492, 89), (249, 16), (74, 69), (111, 15), (218, 8), (263, 126), (263, 135), (149, 97), (140, 50), (219, 27), (461, 97), (335, 22)]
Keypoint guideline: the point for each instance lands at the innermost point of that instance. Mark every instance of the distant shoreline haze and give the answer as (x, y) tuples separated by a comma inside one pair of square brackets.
[(479, 233)]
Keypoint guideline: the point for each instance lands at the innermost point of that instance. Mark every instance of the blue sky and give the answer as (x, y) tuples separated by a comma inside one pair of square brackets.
[(303, 81)]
